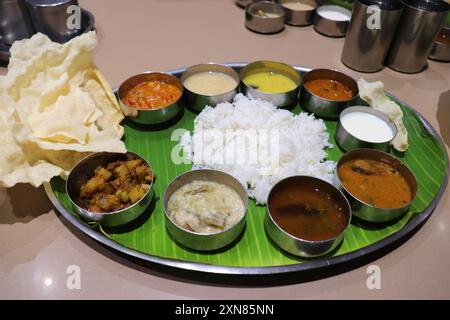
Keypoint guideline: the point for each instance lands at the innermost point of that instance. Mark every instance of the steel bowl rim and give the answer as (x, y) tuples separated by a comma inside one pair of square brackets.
[(332, 6), (281, 2), (237, 78), (298, 83), (165, 74), (407, 4), (96, 214), (265, 2), (390, 123), (341, 160), (443, 29), (45, 5), (312, 242), (355, 95), (203, 234)]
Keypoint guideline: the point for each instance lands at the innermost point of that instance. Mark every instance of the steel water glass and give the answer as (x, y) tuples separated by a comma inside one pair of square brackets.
[(419, 25), (370, 33), (15, 23), (51, 18)]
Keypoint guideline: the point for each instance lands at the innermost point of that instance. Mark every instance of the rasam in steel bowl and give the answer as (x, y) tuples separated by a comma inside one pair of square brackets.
[(306, 216), (84, 170)]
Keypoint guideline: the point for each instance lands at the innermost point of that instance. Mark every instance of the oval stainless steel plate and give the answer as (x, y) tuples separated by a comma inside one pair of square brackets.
[(304, 266)]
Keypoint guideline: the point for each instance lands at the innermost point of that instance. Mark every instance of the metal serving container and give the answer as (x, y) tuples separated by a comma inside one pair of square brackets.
[(198, 102), (284, 100), (146, 116), (83, 171), (419, 25), (204, 241), (52, 18), (273, 22), (15, 22), (364, 210), (297, 246), (323, 107), (441, 48), (299, 17), (243, 3), (331, 27), (348, 142), (366, 44)]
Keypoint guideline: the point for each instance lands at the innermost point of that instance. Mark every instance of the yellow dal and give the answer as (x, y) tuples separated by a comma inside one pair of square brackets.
[(270, 82)]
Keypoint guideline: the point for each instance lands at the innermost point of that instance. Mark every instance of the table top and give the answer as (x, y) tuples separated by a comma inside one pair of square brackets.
[(38, 247)]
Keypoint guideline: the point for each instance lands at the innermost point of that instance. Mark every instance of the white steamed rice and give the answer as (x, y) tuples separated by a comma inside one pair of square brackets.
[(301, 148)]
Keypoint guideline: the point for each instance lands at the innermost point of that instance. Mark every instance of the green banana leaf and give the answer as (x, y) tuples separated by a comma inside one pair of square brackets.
[(425, 157)]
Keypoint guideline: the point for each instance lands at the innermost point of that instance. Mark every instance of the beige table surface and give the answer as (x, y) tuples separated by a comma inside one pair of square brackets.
[(37, 245)]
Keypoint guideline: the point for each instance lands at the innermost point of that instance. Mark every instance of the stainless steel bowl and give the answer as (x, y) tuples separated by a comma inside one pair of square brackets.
[(83, 171), (198, 102), (348, 142), (324, 107), (265, 17), (331, 27), (299, 17), (204, 241), (146, 116), (364, 210), (441, 48), (284, 100), (297, 246)]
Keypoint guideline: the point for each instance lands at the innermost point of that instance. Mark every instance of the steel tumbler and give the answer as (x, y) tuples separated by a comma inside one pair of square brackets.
[(419, 25), (51, 18), (15, 23), (370, 33)]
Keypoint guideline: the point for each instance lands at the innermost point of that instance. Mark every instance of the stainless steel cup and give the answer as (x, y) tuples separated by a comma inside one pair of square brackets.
[(84, 170), (197, 102), (204, 241), (51, 18), (299, 17), (366, 211), (15, 23), (347, 141), (265, 17), (370, 33), (419, 25)]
